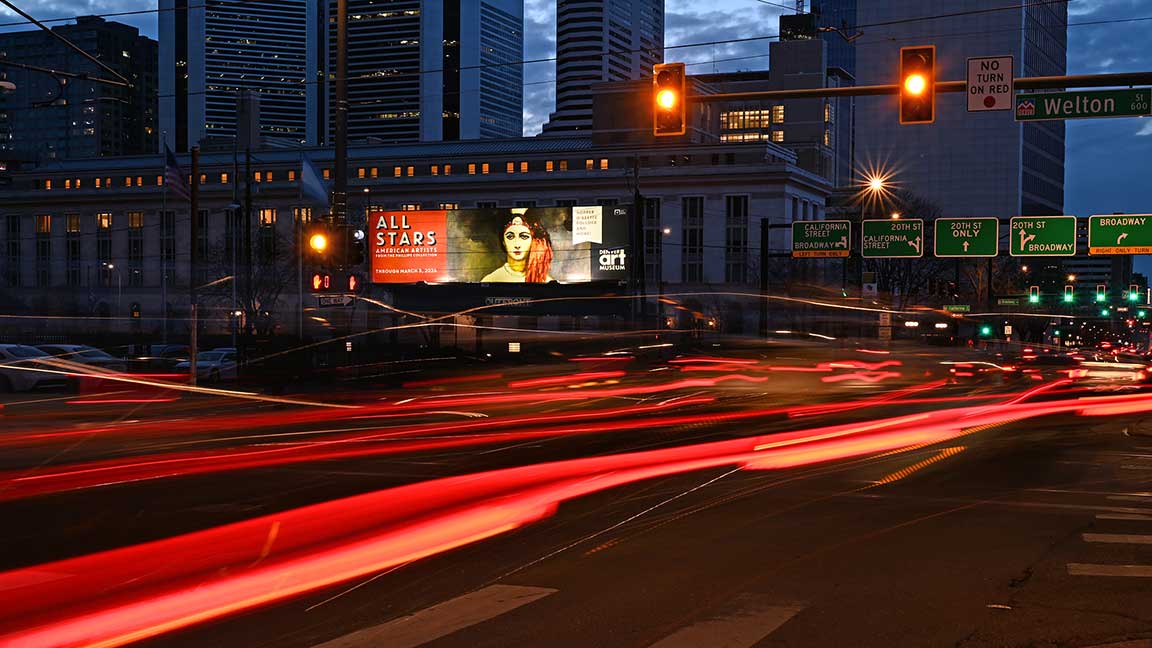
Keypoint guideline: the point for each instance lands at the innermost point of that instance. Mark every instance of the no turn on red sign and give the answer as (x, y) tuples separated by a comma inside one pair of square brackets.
[(990, 83)]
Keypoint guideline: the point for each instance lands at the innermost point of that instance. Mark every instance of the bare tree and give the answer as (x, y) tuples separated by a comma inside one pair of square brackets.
[(274, 260), (908, 281)]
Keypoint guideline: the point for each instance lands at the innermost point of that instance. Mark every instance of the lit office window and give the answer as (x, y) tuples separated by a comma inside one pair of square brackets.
[(548, 166), (104, 221), (778, 114), (603, 164), (447, 169), (511, 167), (523, 167), (777, 136), (484, 168), (43, 224), (589, 164), (292, 175), (435, 169)]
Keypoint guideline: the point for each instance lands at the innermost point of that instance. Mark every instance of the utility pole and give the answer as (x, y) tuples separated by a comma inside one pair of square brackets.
[(340, 182), (194, 260), (639, 212)]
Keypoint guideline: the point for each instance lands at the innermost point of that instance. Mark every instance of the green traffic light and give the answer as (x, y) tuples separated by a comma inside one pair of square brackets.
[(1100, 297), (1133, 297), (1056, 333), (1033, 299), (1067, 299), (985, 330), (1141, 314), (1104, 312)]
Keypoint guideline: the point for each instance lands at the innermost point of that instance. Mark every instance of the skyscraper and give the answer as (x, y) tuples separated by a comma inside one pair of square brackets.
[(430, 71), (1007, 168), (211, 49), (599, 41), (45, 119)]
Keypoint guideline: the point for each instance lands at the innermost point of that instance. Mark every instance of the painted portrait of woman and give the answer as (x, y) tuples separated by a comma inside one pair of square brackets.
[(527, 253)]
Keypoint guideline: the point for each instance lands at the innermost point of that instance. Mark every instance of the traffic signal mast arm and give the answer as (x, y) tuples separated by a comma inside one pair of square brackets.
[(1023, 83)]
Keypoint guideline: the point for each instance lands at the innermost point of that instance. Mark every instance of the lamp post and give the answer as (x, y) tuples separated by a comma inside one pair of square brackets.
[(119, 284)]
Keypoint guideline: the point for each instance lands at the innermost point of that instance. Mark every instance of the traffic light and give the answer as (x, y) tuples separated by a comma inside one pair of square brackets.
[(1133, 293), (1069, 294), (1104, 312), (354, 283), (1034, 294), (985, 330), (669, 102), (918, 84), (321, 282), (1101, 293), (1141, 314), (357, 247), (318, 242)]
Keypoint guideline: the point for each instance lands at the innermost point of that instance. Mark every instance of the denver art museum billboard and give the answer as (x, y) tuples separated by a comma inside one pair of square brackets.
[(503, 245)]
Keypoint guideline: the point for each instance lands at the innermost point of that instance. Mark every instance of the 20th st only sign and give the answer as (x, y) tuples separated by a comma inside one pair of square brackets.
[(967, 237)]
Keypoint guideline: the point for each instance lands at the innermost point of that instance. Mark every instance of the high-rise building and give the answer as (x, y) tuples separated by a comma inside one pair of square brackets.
[(211, 49), (600, 41), (44, 118), (969, 164), (430, 71)]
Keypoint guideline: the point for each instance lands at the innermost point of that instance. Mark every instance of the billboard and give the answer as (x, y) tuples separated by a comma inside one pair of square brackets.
[(501, 245)]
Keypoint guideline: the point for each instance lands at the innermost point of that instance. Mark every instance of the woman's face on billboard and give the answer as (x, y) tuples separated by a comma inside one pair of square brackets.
[(517, 239)]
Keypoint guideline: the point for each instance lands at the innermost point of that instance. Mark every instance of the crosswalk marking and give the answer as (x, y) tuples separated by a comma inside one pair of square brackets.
[(748, 621), (1089, 569), (1118, 538), (442, 619)]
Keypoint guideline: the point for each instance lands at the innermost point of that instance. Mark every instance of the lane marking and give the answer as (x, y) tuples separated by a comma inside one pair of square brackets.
[(1118, 538), (740, 626), (1090, 569), (1123, 516), (442, 619)]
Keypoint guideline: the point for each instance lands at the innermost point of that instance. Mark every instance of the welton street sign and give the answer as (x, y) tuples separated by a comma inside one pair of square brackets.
[(1042, 236), (1120, 234), (967, 237), (1084, 104), (821, 239), (892, 238)]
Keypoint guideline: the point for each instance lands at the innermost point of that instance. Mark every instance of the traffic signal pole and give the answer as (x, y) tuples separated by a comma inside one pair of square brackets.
[(1023, 83)]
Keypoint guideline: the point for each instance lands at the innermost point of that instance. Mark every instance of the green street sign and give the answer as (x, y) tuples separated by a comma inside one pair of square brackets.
[(1042, 236), (958, 308), (1008, 301), (892, 238), (821, 239), (1120, 234), (1084, 104), (967, 237)]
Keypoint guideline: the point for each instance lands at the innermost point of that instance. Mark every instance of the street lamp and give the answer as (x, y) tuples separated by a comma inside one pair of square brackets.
[(1071, 277), (119, 284), (895, 215)]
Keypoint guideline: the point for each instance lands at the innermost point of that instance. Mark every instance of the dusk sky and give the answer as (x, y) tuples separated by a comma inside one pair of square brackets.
[(1107, 165)]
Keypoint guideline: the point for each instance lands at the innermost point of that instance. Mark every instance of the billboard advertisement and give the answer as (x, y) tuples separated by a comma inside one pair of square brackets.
[(502, 245)]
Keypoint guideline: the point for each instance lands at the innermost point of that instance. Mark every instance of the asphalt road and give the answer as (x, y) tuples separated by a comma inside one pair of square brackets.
[(1032, 533)]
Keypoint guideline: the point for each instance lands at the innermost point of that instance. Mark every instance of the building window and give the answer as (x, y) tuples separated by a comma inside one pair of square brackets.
[(510, 167), (292, 174), (68, 183), (48, 185), (525, 203), (72, 249), (375, 173), (607, 202), (104, 221), (603, 164), (563, 165), (484, 169), (692, 212), (159, 181), (135, 248), (203, 178), (589, 164), (450, 205), (778, 136), (139, 181), (267, 217), (302, 215), (485, 204), (360, 173), (266, 243), (447, 169), (72, 225), (268, 176), (168, 246), (471, 169), (410, 207), (43, 224), (827, 137), (736, 239), (327, 174), (43, 261), (523, 167), (259, 176), (778, 114), (411, 171), (827, 112), (397, 172), (223, 178), (435, 169), (548, 166), (98, 183)]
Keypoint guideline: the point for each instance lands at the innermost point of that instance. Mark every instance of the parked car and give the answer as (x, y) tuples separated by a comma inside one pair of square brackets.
[(162, 358), (212, 366), (15, 359), (85, 354)]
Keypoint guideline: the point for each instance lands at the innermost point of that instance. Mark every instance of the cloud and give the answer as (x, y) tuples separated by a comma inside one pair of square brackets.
[(687, 22), (55, 10), (1146, 129), (539, 43)]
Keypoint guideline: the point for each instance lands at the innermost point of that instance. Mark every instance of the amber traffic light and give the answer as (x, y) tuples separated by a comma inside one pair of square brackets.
[(669, 114), (918, 84)]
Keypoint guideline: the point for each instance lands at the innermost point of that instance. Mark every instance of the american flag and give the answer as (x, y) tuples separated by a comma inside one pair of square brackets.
[(173, 177)]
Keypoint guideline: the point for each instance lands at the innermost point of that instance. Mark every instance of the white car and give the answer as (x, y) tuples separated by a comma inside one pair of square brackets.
[(17, 363), (84, 354), (212, 366)]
